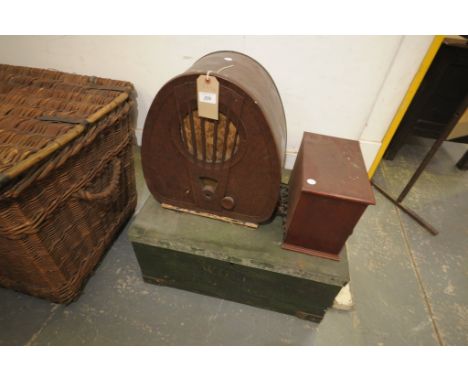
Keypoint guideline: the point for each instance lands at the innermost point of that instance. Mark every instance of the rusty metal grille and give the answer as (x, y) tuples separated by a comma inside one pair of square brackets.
[(207, 140)]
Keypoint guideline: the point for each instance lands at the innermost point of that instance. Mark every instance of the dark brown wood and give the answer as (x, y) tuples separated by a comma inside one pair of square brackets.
[(240, 157), (408, 211), (443, 89), (462, 164), (328, 192)]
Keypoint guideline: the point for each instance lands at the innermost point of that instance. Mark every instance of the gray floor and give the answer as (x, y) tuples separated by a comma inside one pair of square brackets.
[(408, 286)]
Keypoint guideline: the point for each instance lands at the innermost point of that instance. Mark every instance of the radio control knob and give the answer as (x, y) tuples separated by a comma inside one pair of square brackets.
[(228, 203)]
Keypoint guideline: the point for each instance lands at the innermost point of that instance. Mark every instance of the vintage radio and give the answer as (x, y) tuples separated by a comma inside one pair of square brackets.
[(229, 166)]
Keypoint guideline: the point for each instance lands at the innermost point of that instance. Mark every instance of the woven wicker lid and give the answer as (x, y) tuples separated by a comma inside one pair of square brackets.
[(43, 110)]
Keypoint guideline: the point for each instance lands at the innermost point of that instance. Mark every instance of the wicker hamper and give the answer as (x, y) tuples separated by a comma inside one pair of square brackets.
[(67, 181)]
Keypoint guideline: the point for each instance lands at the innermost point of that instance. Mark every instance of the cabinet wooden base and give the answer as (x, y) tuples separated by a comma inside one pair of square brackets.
[(310, 252)]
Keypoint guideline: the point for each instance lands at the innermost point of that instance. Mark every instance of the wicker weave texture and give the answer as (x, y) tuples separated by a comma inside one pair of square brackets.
[(58, 216)]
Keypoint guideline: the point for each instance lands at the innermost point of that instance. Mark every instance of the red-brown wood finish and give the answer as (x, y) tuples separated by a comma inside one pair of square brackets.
[(329, 190), (244, 186)]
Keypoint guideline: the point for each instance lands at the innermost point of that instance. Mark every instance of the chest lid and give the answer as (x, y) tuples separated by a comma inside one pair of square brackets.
[(334, 167), (41, 111)]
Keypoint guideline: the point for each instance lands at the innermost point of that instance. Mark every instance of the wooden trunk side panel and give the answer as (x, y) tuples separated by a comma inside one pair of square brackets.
[(260, 248), (252, 286)]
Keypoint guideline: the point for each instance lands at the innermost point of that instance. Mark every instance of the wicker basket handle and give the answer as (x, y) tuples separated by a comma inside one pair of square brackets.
[(107, 191)]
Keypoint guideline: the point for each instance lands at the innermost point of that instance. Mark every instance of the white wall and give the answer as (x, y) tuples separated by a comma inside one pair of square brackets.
[(345, 86), (399, 76)]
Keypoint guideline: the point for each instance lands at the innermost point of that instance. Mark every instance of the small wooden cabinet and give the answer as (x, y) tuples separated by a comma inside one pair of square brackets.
[(329, 190)]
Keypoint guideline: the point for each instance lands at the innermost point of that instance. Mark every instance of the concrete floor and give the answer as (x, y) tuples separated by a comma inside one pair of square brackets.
[(408, 286)]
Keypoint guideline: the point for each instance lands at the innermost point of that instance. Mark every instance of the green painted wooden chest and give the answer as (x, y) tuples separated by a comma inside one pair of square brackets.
[(233, 262)]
